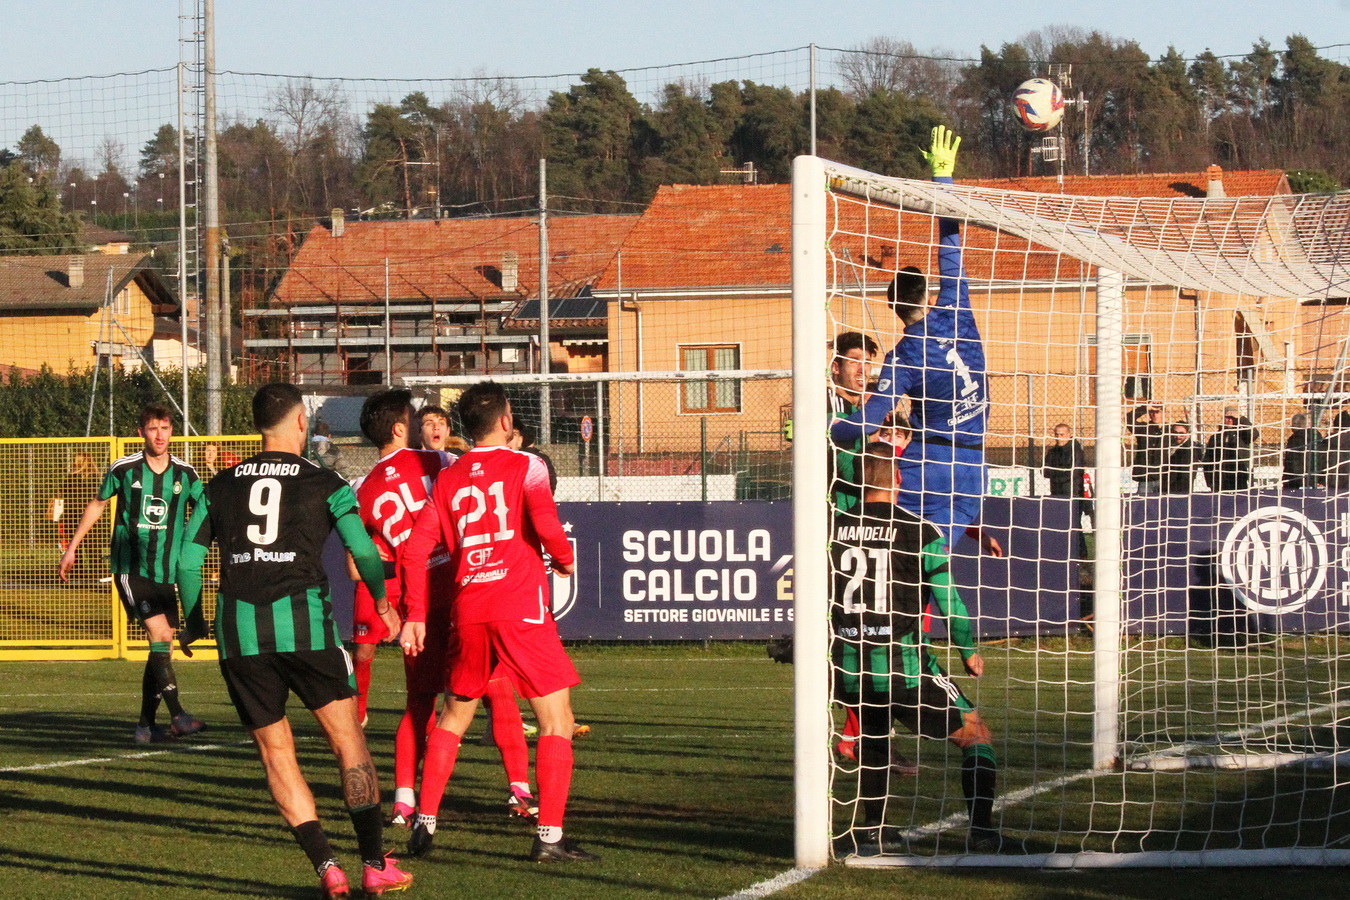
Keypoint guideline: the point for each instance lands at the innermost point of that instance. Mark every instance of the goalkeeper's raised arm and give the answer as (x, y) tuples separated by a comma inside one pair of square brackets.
[(939, 364)]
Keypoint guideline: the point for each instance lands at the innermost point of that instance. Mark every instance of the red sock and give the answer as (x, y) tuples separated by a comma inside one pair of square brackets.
[(442, 748), (508, 730), (362, 667), (553, 769), (851, 727), (410, 741)]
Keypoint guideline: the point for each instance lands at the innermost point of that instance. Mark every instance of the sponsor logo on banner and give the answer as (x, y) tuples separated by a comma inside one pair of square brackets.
[(1275, 559), (563, 590)]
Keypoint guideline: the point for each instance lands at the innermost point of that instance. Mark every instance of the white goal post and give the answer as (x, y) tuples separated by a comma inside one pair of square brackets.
[(1199, 722)]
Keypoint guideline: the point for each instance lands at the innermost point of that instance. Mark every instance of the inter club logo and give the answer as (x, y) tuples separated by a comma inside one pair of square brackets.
[(563, 590), (1275, 559)]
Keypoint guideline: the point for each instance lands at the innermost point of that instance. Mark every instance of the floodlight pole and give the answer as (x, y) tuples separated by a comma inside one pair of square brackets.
[(182, 248), (813, 99), (211, 211), (545, 398)]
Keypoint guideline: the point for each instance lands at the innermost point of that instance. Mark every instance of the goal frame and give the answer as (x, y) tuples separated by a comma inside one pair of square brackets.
[(812, 180)]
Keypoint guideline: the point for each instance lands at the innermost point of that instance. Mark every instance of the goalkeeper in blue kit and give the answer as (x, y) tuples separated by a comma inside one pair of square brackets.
[(939, 364), (885, 561)]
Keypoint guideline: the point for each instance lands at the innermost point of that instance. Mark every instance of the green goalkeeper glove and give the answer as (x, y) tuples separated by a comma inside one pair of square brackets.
[(942, 158)]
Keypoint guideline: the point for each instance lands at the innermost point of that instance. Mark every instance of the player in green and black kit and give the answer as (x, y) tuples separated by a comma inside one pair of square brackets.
[(885, 559), (848, 383), (271, 515), (154, 491)]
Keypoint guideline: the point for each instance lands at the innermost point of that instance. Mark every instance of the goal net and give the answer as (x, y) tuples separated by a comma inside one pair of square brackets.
[(1151, 410)]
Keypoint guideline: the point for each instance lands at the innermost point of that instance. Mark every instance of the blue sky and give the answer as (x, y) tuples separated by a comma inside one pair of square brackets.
[(445, 38)]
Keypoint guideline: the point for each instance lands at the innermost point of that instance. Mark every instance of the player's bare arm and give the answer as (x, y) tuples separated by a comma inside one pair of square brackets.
[(974, 665), (91, 515)]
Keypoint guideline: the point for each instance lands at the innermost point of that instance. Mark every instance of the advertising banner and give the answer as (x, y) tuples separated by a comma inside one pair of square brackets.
[(677, 571), (1215, 567)]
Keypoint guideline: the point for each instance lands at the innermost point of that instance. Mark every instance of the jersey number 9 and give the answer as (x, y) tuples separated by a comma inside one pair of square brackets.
[(264, 499)]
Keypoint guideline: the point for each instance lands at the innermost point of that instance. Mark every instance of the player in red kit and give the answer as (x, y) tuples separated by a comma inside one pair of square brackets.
[(494, 512), (390, 497)]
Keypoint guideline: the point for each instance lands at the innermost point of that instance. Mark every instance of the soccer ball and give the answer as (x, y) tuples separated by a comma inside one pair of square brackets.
[(1039, 104)]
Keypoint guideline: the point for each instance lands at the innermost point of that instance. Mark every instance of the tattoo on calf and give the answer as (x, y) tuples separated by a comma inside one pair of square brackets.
[(359, 786)]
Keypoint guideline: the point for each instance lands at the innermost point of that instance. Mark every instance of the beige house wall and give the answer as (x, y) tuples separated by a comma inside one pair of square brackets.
[(63, 340)]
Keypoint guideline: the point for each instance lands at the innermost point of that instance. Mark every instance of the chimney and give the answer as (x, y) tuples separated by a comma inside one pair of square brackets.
[(510, 271), (75, 272), (1214, 187), (339, 223)]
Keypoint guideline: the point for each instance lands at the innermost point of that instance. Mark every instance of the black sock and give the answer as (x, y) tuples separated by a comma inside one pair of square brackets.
[(161, 664), (312, 840), (149, 695), (874, 760), (369, 824), (979, 768)]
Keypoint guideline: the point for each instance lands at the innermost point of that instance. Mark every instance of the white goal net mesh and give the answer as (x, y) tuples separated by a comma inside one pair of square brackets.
[(1162, 456)]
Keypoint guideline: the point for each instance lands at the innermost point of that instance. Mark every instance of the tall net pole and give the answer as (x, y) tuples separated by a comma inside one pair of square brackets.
[(1106, 567), (810, 524)]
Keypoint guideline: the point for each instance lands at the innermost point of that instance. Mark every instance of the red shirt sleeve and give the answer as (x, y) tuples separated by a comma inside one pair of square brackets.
[(542, 513), (414, 555)]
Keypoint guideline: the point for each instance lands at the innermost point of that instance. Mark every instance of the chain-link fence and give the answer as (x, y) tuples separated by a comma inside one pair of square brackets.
[(45, 484)]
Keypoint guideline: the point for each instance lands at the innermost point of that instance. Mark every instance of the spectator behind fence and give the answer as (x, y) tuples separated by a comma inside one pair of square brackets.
[(1338, 454), (1228, 454), (1303, 451), (1065, 466), (1183, 457), (1150, 447)]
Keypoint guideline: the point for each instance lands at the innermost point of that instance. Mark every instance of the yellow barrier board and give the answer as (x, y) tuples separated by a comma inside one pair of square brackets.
[(45, 484)]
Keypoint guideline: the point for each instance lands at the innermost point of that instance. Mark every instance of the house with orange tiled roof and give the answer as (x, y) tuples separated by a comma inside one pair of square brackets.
[(368, 302), (73, 312), (703, 282)]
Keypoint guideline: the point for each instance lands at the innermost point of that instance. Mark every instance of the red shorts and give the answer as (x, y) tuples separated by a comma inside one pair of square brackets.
[(530, 654), (367, 626), (428, 671)]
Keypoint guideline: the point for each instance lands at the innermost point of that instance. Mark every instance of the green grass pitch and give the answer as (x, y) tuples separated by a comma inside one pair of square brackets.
[(684, 787)]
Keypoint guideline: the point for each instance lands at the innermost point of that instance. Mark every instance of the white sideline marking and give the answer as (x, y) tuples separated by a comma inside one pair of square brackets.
[(96, 760), (773, 885)]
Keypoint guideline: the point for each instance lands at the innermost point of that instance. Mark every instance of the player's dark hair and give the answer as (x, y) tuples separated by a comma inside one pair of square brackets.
[(274, 402), (908, 292), (527, 432), (153, 412), (480, 407), (847, 341), (878, 466), (898, 422), (430, 410), (382, 411)]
